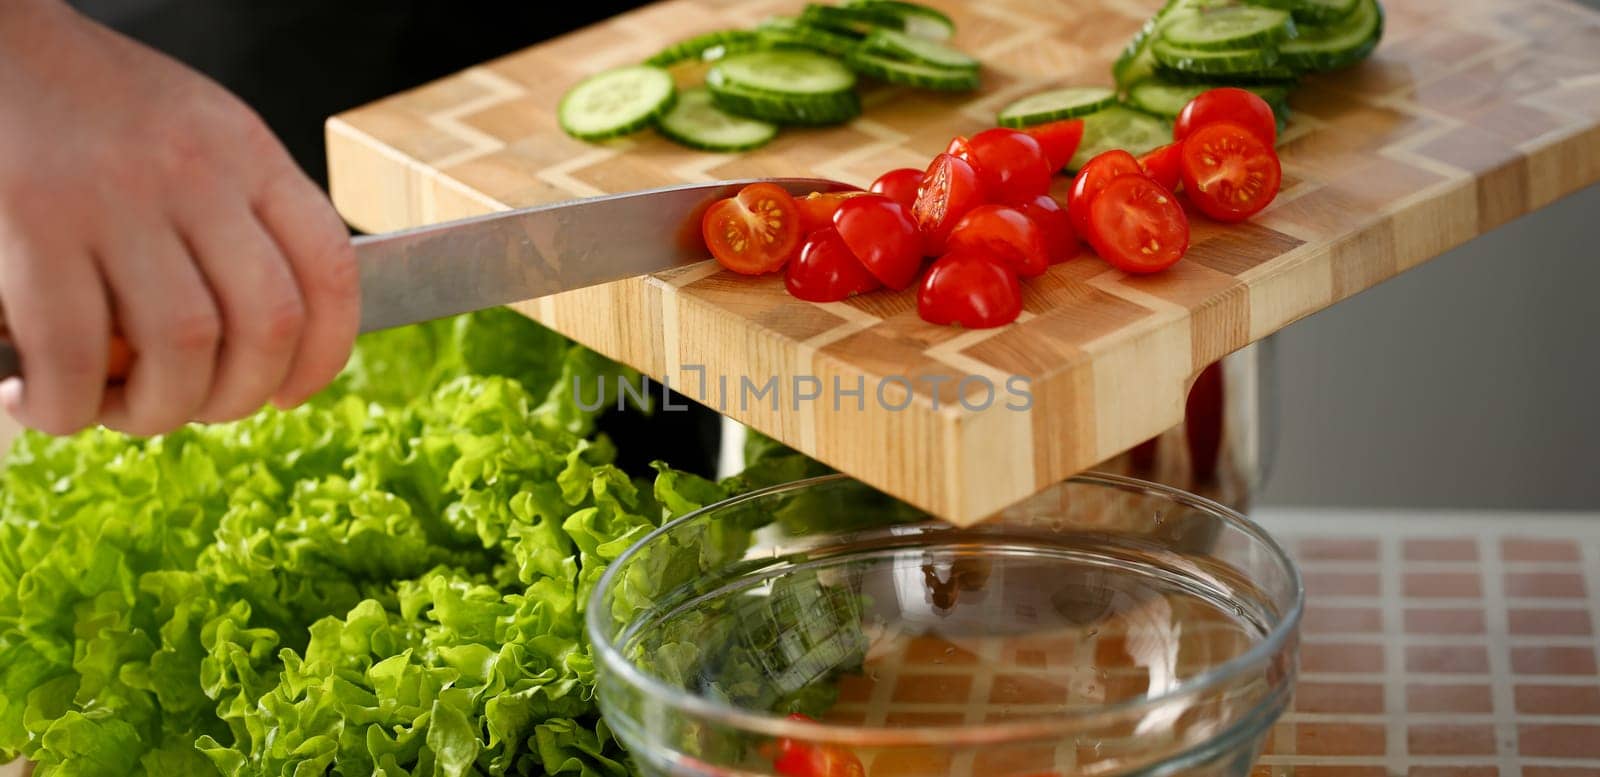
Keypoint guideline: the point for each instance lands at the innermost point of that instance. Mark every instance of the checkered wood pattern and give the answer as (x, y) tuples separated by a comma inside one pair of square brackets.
[(1472, 112)]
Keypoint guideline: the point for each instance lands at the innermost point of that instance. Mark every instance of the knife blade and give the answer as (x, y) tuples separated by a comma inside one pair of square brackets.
[(455, 267)]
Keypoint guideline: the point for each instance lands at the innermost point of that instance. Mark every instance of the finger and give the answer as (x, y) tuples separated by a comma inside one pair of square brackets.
[(317, 245), (256, 292), (166, 312), (59, 320)]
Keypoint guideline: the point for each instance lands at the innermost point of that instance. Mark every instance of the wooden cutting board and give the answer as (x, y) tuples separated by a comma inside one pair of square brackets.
[(1472, 113)]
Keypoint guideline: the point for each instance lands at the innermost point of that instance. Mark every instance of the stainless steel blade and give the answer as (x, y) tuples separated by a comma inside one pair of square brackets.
[(457, 267), (460, 266)]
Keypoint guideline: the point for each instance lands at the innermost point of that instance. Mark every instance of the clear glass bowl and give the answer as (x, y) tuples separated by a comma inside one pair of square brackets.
[(1106, 627)]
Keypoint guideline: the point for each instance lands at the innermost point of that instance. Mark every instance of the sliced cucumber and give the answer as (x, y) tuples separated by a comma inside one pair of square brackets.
[(786, 72), (855, 21), (1055, 105), (1136, 62), (711, 45), (616, 102), (1313, 11), (922, 76), (696, 122), (1167, 99), (1231, 27), (916, 19), (909, 48), (1337, 45), (1230, 62), (818, 109), (788, 32), (1120, 127)]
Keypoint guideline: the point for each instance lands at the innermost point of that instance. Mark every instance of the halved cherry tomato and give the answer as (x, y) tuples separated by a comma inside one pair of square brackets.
[(807, 759), (1138, 226), (817, 208), (1011, 165), (1091, 179), (1004, 233), (755, 232), (882, 234), (827, 271), (1060, 241), (899, 185), (1163, 165), (1229, 174), (1059, 139), (961, 148), (1240, 106), (950, 188), (970, 290)]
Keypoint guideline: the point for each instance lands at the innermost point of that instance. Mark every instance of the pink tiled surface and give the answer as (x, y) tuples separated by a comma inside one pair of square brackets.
[(1443, 646)]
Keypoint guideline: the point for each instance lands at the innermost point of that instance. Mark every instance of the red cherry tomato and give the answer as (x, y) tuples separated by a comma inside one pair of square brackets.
[(1059, 139), (1060, 241), (1091, 179), (899, 185), (1228, 173), (950, 189), (1006, 234), (817, 209), (961, 148), (755, 232), (826, 270), (806, 759), (971, 290), (1138, 226), (882, 234), (1240, 106), (1163, 165), (1011, 165)]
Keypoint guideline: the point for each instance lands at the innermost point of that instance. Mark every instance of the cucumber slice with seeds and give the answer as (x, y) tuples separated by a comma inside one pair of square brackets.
[(916, 19), (1313, 11), (894, 71), (1232, 27), (1338, 45), (817, 109), (787, 32), (855, 21), (787, 72), (616, 102), (695, 121), (711, 45), (909, 48), (1120, 127), (1230, 62), (1055, 105)]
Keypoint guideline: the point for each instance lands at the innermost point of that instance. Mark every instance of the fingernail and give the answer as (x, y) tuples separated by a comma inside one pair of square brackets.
[(11, 394)]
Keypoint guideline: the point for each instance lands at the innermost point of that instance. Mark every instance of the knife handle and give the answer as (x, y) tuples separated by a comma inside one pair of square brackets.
[(118, 363)]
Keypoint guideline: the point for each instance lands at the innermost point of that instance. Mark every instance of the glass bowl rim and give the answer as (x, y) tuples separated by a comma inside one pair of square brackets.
[(778, 726)]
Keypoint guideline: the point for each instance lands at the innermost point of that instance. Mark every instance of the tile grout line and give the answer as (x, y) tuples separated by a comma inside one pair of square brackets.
[(1497, 626)]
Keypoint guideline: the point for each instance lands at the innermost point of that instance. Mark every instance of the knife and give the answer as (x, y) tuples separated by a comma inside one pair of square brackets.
[(442, 270)]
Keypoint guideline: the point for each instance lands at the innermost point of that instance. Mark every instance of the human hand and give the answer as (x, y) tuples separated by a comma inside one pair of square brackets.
[(138, 197)]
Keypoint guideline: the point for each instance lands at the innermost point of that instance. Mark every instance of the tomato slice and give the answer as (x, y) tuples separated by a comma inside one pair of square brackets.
[(1060, 241), (827, 271), (1005, 233), (1138, 226), (899, 185), (794, 758), (1011, 165), (817, 209), (970, 289), (755, 232), (961, 148), (1240, 106), (1092, 178), (1059, 139), (1228, 173), (950, 189), (1163, 165), (882, 234)]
